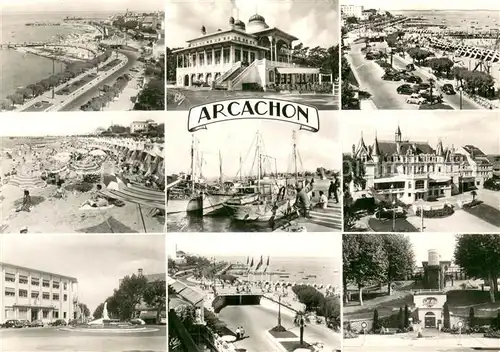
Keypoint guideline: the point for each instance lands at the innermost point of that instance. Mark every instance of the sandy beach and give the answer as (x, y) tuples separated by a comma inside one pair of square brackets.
[(50, 214)]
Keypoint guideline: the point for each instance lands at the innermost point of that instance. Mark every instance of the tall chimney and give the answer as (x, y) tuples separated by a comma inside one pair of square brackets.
[(139, 272)]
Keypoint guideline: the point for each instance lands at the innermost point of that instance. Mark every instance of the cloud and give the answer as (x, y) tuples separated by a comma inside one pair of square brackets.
[(315, 23)]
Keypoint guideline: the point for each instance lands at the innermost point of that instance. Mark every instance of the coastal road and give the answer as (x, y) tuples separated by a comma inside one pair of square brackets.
[(75, 105), (369, 76), (256, 320)]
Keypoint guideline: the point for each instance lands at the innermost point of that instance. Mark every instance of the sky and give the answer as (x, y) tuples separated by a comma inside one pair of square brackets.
[(325, 245), (314, 22), (476, 128), (444, 243), (97, 261), (233, 138), (426, 4), (69, 123), (33, 6)]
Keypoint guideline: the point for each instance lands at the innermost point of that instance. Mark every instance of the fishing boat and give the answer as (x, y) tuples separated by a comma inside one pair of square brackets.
[(193, 195), (275, 199)]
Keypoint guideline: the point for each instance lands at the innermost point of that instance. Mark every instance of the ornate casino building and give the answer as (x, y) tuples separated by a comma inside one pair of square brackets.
[(408, 171), (242, 56)]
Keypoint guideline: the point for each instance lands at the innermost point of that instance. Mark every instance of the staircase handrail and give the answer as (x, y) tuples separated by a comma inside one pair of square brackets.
[(236, 79), (221, 79)]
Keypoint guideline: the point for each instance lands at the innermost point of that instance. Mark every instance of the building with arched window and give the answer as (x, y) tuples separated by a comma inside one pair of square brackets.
[(408, 171), (242, 55)]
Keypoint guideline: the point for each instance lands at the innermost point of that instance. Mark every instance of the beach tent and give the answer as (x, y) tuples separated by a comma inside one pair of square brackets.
[(85, 167), (113, 182), (97, 152), (82, 151), (110, 225), (56, 168), (24, 181), (62, 157)]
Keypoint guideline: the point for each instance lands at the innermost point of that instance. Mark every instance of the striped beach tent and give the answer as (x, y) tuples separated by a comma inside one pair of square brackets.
[(56, 168), (25, 181), (85, 167)]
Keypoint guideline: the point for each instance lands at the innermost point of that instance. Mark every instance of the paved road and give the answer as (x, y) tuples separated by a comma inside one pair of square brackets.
[(405, 349), (256, 320), (85, 97), (54, 340), (369, 74)]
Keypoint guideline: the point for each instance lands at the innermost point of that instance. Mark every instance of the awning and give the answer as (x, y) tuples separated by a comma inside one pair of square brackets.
[(441, 179), (297, 70), (390, 179), (143, 196)]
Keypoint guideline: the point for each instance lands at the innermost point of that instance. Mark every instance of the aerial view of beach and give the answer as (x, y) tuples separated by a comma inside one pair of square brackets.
[(99, 174), (425, 56), (60, 56)]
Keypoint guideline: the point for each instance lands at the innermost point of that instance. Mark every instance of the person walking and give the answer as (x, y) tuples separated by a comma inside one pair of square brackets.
[(238, 333), (302, 202), (333, 190)]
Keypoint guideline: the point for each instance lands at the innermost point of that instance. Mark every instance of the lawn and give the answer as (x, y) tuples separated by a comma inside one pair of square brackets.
[(76, 85), (486, 213), (385, 225), (293, 345), (38, 106)]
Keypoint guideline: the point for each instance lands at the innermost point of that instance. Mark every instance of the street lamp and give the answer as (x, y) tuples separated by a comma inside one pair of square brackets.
[(394, 215), (460, 89)]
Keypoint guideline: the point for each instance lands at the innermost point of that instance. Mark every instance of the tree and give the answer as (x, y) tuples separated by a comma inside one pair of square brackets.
[(407, 316), (351, 20), (401, 319), (441, 65), (479, 257), (154, 295), (129, 295), (84, 309), (446, 313), (6, 104), (152, 97), (376, 322), (364, 260), (400, 258), (16, 98), (98, 311), (309, 296)]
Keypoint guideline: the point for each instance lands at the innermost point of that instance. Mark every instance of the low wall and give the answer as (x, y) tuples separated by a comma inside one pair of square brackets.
[(220, 302)]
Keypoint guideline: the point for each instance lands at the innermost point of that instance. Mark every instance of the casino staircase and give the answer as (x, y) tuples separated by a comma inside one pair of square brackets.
[(330, 217), (222, 83)]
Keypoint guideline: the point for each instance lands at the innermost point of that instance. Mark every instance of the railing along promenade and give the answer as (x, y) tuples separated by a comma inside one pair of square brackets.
[(37, 44)]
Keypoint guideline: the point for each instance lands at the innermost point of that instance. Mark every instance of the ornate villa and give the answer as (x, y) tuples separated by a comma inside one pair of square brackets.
[(242, 56), (408, 171)]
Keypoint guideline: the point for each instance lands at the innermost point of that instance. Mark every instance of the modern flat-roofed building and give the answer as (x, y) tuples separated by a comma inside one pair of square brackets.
[(351, 11), (33, 294)]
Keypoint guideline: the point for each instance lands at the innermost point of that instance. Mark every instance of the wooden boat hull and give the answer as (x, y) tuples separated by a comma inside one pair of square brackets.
[(260, 212)]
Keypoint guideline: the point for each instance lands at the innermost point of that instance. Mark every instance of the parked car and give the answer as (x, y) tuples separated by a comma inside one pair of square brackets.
[(36, 324), (448, 89), (405, 89), (413, 79), (415, 99), (410, 67), (25, 323), (391, 76), (12, 323), (59, 322)]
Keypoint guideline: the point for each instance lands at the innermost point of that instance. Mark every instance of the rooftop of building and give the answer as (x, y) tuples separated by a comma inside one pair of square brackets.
[(2, 264)]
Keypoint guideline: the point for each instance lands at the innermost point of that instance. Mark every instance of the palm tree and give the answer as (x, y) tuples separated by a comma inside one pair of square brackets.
[(432, 83), (473, 193)]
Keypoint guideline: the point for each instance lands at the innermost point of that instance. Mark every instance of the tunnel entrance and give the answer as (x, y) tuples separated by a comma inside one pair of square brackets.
[(235, 300)]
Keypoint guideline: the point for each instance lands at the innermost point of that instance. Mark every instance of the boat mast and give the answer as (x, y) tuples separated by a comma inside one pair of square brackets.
[(294, 138), (241, 176), (192, 163), (220, 168), (259, 166)]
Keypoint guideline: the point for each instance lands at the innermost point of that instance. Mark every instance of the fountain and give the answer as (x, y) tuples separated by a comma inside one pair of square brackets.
[(107, 325)]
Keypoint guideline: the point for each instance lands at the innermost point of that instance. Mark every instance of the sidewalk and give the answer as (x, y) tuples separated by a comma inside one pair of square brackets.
[(124, 102)]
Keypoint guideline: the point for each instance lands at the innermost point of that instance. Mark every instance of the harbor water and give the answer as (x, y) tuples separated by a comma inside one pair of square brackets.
[(20, 69), (303, 270), (222, 222)]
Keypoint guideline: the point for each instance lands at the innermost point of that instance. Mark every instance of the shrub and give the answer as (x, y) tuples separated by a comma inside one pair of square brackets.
[(472, 204), (492, 184), (447, 210)]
